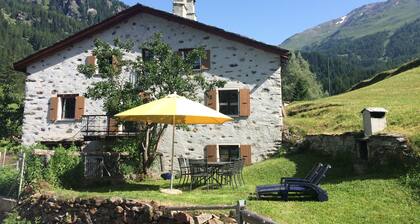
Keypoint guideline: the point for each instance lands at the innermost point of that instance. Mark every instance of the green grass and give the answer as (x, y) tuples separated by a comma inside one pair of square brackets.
[(400, 95), (373, 198)]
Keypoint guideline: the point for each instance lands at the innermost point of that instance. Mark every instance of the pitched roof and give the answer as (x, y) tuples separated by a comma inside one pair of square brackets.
[(138, 8)]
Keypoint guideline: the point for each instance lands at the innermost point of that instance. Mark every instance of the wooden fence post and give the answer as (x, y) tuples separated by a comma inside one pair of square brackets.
[(22, 168), (4, 157), (239, 207)]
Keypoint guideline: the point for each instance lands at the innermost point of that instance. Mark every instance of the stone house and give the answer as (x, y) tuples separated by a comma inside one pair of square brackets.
[(57, 112)]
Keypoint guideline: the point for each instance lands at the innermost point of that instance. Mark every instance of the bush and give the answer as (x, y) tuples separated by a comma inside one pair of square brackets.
[(8, 181), (412, 179), (64, 169), (10, 146), (14, 218), (132, 164)]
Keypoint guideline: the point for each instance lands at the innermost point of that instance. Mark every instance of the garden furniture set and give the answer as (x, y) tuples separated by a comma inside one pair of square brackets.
[(216, 174)]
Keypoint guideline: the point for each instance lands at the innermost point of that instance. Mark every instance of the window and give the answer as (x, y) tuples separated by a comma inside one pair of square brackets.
[(67, 107), (228, 153), (197, 65), (229, 102)]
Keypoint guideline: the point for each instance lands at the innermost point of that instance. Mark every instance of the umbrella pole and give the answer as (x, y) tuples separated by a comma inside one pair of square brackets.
[(173, 153)]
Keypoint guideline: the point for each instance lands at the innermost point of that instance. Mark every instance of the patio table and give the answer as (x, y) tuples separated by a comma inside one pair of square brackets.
[(213, 169)]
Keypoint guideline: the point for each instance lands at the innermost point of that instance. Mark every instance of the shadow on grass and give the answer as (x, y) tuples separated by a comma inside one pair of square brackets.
[(122, 187), (342, 168)]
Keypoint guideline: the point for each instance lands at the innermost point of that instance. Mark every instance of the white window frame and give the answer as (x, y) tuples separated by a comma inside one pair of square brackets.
[(218, 103), (60, 107)]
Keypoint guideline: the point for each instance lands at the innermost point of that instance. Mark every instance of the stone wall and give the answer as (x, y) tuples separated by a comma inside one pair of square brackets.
[(6, 204), (381, 149), (240, 65), (49, 209)]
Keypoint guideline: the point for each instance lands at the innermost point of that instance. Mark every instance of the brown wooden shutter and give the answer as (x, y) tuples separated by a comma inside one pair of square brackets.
[(206, 63), (91, 60), (211, 153), (245, 102), (211, 99), (53, 109), (80, 107), (246, 154), (113, 125)]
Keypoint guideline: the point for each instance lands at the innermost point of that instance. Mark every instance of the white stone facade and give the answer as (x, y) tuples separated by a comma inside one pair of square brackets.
[(239, 64)]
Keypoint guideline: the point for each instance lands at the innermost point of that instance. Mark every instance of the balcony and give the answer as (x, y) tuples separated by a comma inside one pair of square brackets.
[(100, 127)]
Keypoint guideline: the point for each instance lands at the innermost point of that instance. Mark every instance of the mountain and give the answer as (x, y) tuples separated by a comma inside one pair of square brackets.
[(29, 25), (369, 39)]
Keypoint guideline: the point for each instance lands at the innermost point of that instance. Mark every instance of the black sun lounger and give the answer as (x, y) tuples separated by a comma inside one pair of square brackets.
[(296, 188)]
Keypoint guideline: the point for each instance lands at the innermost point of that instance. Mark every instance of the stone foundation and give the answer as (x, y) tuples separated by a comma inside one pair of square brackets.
[(378, 149)]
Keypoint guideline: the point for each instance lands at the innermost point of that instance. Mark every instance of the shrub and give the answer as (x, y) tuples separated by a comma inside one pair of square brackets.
[(131, 164), (412, 179), (35, 167), (10, 146), (14, 218), (64, 169), (8, 181)]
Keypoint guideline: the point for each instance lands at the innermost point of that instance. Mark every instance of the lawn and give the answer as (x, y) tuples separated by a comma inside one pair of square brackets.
[(372, 198), (400, 95)]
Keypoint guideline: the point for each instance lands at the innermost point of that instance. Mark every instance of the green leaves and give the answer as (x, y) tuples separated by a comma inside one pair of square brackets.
[(11, 110), (299, 83)]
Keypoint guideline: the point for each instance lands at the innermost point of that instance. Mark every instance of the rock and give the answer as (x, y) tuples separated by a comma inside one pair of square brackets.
[(116, 200), (203, 218), (214, 221), (228, 220), (182, 217), (93, 211), (119, 209), (98, 202), (148, 211), (135, 209)]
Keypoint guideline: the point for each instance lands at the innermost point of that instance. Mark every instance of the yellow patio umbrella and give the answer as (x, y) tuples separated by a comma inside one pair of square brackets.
[(174, 109)]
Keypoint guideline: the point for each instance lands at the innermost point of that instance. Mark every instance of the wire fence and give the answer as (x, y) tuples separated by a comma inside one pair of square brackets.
[(11, 174)]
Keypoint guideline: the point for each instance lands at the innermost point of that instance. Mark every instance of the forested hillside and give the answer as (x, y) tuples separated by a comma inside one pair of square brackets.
[(27, 26), (369, 39)]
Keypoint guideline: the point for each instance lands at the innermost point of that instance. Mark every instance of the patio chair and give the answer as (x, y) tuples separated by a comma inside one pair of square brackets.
[(312, 174), (296, 188), (199, 172), (241, 169), (184, 170), (231, 173), (308, 178)]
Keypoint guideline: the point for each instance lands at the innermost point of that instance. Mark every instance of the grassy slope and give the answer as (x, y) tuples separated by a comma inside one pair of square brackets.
[(374, 198), (399, 94)]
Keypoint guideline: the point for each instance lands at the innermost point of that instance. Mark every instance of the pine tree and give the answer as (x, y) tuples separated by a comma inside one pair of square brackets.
[(299, 83)]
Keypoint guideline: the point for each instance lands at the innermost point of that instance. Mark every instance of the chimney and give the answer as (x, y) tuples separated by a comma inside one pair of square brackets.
[(185, 8)]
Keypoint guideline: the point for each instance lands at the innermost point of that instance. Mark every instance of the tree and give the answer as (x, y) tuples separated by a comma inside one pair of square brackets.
[(299, 83), (159, 73), (11, 111)]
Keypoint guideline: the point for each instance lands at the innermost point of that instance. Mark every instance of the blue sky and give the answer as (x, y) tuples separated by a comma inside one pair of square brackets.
[(270, 21)]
